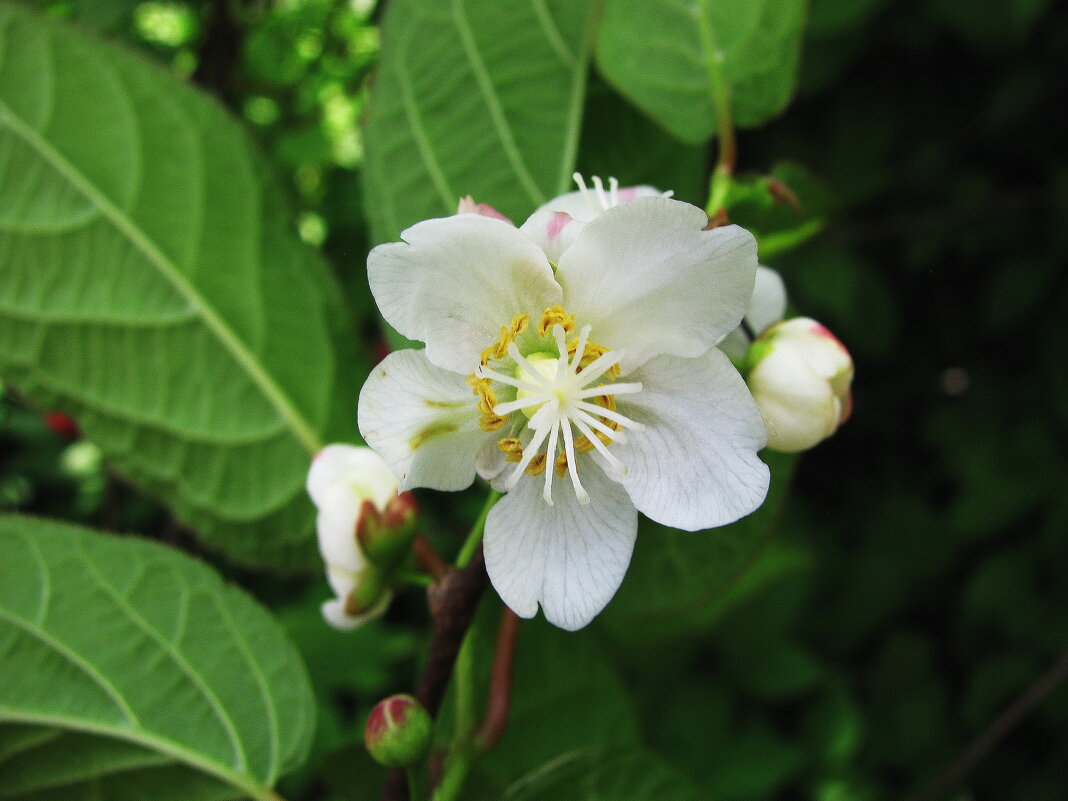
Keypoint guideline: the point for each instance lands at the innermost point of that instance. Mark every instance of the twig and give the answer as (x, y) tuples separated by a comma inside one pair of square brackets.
[(954, 773), (500, 692), (429, 559), (452, 601)]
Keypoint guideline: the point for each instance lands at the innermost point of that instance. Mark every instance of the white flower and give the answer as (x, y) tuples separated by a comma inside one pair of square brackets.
[(766, 307), (342, 479), (572, 362), (800, 376)]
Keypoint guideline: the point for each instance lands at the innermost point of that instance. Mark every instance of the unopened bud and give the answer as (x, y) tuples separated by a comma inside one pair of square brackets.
[(386, 535), (800, 376), (467, 205), (398, 732), (349, 484)]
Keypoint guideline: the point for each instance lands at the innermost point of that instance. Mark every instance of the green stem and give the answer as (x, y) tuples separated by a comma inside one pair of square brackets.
[(721, 101), (412, 578), (461, 752), (416, 783), (474, 537)]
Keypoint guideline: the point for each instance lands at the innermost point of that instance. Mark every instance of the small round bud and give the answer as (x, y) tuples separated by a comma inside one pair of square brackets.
[(398, 732), (800, 377)]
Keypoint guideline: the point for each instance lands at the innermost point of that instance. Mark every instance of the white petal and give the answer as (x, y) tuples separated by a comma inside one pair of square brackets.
[(694, 465), (336, 529), (359, 467), (423, 420), (570, 557), (650, 280), (798, 405), (735, 345), (578, 204), (455, 281), (334, 613), (768, 303), (553, 231)]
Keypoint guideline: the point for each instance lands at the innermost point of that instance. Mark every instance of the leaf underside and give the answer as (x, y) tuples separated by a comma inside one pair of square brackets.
[(151, 287), (479, 97), (130, 671)]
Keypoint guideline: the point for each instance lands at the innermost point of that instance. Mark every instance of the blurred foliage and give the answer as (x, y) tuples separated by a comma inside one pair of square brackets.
[(917, 581)]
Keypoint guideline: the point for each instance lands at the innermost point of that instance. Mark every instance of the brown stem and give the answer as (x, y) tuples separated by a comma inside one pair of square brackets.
[(428, 558), (981, 746), (452, 601), (500, 692)]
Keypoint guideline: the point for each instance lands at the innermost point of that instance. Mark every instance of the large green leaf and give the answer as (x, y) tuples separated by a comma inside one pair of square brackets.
[(633, 775), (667, 56), (480, 97), (150, 285), (130, 671)]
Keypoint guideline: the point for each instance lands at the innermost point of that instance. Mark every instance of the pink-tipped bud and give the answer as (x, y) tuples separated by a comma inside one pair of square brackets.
[(468, 205), (386, 536), (398, 732), (800, 376)]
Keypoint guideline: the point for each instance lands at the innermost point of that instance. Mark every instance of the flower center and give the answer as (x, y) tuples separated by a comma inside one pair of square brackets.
[(560, 388)]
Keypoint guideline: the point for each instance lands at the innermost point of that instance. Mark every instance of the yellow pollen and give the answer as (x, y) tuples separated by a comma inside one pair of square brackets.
[(512, 447), (491, 422), (554, 315), (499, 349), (536, 466), (592, 352), (561, 464)]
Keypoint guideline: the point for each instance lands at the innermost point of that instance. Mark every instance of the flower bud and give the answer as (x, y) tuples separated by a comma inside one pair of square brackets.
[(386, 535), (800, 377), (398, 732), (354, 489), (467, 205)]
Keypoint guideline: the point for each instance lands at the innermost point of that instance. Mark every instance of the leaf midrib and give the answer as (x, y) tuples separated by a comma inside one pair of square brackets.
[(158, 744), (302, 430)]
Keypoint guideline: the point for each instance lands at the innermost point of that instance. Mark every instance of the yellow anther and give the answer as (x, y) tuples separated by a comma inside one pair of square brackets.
[(561, 464), (583, 445), (536, 466), (519, 324), (499, 349), (556, 315), (491, 422), (590, 354), (512, 447)]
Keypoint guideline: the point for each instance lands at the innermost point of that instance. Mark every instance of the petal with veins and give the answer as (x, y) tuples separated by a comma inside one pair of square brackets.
[(455, 281), (423, 420), (650, 280), (694, 464), (569, 557)]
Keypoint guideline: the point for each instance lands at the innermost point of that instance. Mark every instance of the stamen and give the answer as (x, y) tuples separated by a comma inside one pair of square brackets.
[(491, 423), (537, 464), (609, 389), (593, 422), (529, 452), (580, 347), (541, 381), (554, 315), (489, 373), (547, 491), (595, 441), (599, 366), (613, 192), (569, 448), (626, 422), (523, 403)]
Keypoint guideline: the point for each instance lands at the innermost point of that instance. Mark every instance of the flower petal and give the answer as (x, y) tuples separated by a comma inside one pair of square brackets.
[(694, 465), (361, 469), (578, 203), (455, 281), (335, 526), (650, 280), (422, 420), (334, 613), (768, 304), (570, 557)]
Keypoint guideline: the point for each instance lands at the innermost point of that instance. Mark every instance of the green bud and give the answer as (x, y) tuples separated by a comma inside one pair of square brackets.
[(398, 732), (386, 536)]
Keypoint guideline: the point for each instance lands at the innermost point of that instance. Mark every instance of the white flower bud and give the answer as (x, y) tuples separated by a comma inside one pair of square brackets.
[(800, 377), (348, 484)]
